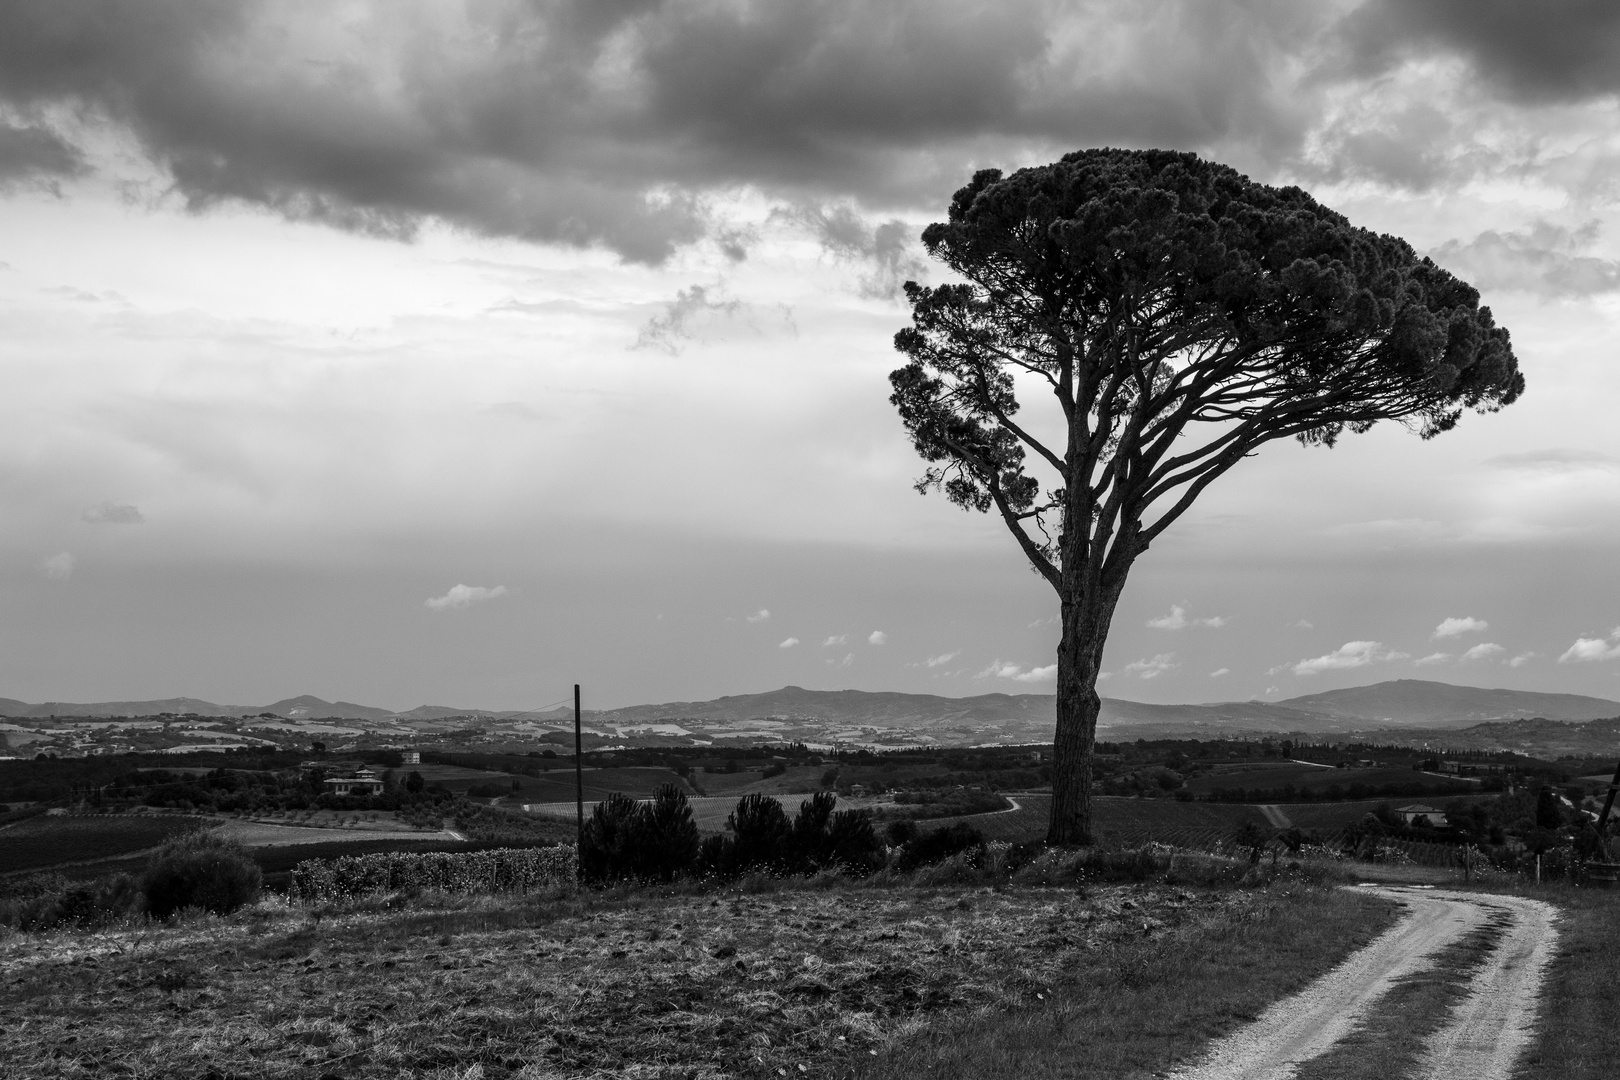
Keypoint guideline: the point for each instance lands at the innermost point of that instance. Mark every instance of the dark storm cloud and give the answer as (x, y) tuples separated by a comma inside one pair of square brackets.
[(613, 123), (35, 154), (1549, 50)]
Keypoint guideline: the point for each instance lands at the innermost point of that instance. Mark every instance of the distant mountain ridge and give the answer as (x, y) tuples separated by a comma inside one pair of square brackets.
[(1399, 704)]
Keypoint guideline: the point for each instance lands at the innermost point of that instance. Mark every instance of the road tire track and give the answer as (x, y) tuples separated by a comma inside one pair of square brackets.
[(1488, 1032), (1309, 1023)]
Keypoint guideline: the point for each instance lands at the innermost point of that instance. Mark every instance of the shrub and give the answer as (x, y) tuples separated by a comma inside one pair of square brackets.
[(467, 872), (937, 845), (852, 842), (625, 839), (50, 901), (759, 832), (199, 870), (809, 848), (664, 838), (607, 846), (901, 832)]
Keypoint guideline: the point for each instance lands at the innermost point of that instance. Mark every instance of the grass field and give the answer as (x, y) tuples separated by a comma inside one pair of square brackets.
[(803, 981), (50, 840), (796, 779), (1578, 1038), (558, 786), (1119, 821)]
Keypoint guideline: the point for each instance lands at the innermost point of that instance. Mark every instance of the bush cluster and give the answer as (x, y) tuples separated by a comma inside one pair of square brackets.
[(658, 840), (199, 870), (466, 872), (625, 839), (196, 871)]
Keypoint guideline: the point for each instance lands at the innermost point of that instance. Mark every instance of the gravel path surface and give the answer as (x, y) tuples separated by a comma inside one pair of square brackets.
[(1488, 1032), (1309, 1023)]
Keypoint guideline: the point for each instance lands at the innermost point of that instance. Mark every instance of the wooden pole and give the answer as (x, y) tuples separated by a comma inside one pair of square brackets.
[(579, 773)]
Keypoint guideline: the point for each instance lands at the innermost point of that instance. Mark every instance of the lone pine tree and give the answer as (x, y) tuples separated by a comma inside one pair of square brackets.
[(1180, 315)]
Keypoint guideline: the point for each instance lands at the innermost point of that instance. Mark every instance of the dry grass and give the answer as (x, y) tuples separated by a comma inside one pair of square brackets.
[(1579, 1037), (818, 979), (1150, 1002)]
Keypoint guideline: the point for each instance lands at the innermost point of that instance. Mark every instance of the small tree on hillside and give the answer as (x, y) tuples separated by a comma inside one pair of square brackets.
[(1181, 316), (666, 837)]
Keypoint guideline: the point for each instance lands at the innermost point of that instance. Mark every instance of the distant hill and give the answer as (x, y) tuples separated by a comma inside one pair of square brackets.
[(1419, 703), (120, 708), (884, 708), (1404, 705), (306, 707)]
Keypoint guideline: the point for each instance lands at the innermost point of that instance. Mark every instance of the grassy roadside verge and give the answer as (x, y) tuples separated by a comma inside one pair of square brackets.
[(1150, 1002), (1578, 1034)]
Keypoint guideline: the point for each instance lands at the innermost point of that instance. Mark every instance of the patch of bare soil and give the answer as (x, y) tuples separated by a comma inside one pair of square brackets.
[(792, 983)]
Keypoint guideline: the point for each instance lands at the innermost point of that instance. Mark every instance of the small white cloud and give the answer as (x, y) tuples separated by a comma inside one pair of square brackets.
[(877, 637), (1151, 668), (1432, 659), (1586, 649), (461, 596), (1304, 624), (58, 567), (1521, 660), (1465, 625), (942, 659), (789, 643), (1273, 690), (1006, 669), (1218, 672), (759, 616), (1177, 620), (1483, 651), (845, 662), (1352, 654), (836, 639), (113, 514)]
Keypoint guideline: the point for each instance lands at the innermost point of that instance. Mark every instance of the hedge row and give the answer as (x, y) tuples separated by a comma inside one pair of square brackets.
[(497, 871)]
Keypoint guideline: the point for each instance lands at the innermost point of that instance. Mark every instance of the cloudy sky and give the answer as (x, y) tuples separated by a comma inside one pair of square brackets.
[(436, 352)]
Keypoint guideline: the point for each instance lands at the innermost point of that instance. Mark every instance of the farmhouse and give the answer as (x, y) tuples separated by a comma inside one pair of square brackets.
[(1430, 814), (362, 781)]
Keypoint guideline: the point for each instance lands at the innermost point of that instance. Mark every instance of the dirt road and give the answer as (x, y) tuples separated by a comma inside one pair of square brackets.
[(1483, 1036)]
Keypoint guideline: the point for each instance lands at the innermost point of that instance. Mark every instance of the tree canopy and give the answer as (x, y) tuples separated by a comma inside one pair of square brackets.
[(1180, 315)]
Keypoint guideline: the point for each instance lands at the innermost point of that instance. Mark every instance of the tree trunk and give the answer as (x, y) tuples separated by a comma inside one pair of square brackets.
[(1085, 631)]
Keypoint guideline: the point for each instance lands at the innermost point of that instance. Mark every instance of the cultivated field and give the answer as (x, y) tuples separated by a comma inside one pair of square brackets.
[(257, 834), (1317, 780), (51, 840)]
